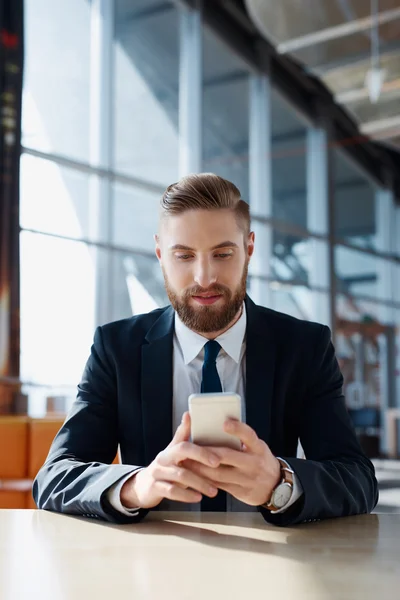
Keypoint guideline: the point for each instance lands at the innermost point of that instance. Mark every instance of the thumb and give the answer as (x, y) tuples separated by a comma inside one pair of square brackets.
[(182, 434)]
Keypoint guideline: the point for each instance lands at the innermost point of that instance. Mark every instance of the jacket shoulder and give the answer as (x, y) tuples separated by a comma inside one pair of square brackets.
[(138, 325)]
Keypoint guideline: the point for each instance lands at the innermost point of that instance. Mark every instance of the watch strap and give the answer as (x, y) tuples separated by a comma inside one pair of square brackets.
[(287, 476)]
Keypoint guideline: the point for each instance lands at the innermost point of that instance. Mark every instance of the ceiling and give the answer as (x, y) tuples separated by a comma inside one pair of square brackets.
[(334, 40)]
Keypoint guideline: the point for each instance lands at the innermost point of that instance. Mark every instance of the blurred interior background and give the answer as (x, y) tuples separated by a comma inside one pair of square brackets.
[(297, 102)]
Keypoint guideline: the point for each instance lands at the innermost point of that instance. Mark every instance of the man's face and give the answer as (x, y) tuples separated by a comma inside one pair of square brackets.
[(204, 257)]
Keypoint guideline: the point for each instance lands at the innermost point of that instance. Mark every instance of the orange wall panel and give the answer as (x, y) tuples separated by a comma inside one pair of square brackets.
[(13, 499), (42, 434), (13, 447)]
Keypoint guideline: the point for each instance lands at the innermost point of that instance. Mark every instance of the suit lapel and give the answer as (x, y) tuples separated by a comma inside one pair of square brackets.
[(157, 385), (260, 367)]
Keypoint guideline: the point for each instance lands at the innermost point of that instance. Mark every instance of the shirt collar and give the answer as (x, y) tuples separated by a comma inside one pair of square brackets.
[(192, 343)]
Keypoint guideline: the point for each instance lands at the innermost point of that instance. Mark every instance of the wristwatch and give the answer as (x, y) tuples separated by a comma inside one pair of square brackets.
[(283, 492)]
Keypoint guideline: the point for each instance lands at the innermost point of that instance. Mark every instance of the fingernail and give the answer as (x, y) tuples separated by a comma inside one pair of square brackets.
[(212, 490), (229, 425), (214, 461)]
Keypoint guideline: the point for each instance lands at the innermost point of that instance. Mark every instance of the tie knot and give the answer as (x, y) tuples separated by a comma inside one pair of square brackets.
[(211, 350)]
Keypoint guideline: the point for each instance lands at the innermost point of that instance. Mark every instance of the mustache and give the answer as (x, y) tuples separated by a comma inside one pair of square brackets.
[(216, 289)]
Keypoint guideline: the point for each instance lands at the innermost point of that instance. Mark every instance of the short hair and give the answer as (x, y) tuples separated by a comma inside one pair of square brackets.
[(205, 191)]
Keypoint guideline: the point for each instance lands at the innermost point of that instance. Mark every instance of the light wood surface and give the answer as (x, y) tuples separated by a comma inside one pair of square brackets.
[(194, 556)]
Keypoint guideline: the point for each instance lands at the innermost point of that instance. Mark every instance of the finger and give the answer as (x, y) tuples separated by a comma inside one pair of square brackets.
[(236, 491), (186, 479), (232, 458), (246, 434), (182, 433), (223, 474), (186, 450), (173, 491)]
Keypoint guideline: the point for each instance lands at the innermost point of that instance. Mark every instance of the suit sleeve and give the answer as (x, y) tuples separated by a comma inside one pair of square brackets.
[(337, 478), (77, 473)]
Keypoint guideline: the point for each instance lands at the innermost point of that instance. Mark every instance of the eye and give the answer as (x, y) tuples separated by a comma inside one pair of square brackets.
[(183, 256), (224, 255)]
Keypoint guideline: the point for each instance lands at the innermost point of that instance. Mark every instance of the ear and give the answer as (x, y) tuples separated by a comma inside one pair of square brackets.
[(158, 247), (250, 244)]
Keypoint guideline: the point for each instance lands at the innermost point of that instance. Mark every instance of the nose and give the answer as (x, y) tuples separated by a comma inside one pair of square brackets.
[(204, 274)]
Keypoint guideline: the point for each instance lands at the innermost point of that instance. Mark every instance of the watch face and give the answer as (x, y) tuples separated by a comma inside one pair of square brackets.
[(282, 495)]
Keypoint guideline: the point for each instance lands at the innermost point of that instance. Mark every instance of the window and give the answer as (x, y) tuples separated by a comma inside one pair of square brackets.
[(137, 284), (289, 153), (146, 66), (354, 198), (225, 114), (291, 257), (53, 199), (135, 217), (56, 112), (361, 274), (57, 308)]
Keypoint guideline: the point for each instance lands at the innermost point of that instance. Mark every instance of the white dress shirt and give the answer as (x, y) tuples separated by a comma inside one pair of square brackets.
[(188, 358)]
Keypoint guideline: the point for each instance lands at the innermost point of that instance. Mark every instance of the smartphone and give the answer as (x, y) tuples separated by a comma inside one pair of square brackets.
[(208, 413)]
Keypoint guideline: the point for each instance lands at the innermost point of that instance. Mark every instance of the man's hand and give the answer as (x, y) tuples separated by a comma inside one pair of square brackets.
[(166, 477), (249, 475)]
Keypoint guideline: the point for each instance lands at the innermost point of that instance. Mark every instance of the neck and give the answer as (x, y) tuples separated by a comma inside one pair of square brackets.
[(212, 335)]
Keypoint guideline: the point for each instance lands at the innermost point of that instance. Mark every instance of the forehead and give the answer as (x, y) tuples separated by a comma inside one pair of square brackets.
[(200, 228)]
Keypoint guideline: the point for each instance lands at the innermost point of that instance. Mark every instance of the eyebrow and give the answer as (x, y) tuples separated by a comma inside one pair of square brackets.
[(226, 244)]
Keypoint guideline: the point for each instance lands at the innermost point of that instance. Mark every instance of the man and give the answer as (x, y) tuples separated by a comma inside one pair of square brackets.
[(135, 387)]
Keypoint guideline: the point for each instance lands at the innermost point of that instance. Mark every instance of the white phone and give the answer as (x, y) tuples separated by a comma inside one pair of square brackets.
[(208, 413)]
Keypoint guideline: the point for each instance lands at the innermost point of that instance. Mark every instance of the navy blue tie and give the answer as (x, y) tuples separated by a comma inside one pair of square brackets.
[(211, 383)]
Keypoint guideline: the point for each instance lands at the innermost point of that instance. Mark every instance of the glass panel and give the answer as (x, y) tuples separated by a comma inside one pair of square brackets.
[(225, 114), (363, 341), (57, 309), (137, 284), (354, 199), (54, 199), (146, 63), (293, 300), (354, 309), (291, 257), (288, 156), (135, 217), (360, 274), (55, 116)]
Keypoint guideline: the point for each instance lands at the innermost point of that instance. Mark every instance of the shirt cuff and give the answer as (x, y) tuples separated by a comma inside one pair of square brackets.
[(114, 496), (297, 491)]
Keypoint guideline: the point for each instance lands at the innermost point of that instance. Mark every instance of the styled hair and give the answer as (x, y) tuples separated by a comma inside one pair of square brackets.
[(205, 191)]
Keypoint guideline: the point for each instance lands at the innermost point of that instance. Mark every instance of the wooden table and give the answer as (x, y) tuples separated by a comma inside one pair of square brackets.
[(191, 556)]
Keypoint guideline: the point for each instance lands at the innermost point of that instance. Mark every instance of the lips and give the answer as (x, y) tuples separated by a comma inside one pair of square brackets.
[(205, 300), (206, 295)]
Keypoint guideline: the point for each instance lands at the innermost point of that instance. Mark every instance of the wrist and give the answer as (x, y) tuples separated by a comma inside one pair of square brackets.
[(128, 494), (276, 478), (281, 493)]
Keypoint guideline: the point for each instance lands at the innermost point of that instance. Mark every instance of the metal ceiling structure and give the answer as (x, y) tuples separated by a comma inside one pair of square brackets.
[(317, 53), (342, 42)]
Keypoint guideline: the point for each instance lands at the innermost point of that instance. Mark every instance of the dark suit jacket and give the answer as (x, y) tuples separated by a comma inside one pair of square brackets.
[(293, 391)]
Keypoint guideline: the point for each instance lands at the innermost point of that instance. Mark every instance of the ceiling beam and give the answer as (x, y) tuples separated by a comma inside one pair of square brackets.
[(382, 128), (355, 95), (336, 32), (352, 60)]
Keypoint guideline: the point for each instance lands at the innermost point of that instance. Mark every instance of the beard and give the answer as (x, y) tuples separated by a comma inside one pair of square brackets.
[(207, 319)]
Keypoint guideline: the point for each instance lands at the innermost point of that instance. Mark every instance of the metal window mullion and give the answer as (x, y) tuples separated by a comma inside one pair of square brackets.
[(319, 216), (190, 91), (260, 186), (101, 145)]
